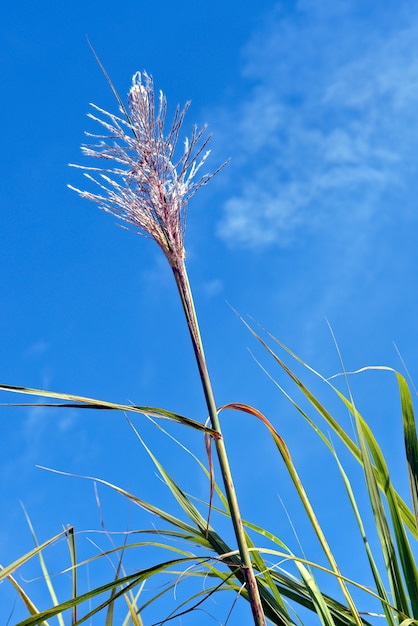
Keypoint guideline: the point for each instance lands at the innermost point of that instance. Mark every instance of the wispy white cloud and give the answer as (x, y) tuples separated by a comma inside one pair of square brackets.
[(37, 349), (260, 212), (328, 125), (213, 288)]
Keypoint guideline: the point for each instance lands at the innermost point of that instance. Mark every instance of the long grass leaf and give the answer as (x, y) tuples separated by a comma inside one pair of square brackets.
[(389, 614), (411, 441), (73, 557), (320, 604), (92, 403), (44, 568)]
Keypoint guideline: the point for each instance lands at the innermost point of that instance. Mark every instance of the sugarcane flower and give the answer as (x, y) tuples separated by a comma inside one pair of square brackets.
[(144, 186)]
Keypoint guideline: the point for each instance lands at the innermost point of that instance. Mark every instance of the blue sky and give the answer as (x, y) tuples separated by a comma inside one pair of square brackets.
[(314, 219)]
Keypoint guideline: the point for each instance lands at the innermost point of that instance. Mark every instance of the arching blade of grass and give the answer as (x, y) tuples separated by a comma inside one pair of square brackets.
[(92, 403)]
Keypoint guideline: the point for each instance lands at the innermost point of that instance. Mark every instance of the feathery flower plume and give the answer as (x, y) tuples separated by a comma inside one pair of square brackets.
[(145, 187)]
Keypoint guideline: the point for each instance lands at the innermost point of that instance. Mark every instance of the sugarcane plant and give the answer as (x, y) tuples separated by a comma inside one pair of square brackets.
[(146, 181)]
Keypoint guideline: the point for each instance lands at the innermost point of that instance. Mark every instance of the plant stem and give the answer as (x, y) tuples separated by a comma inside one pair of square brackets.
[(183, 285)]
